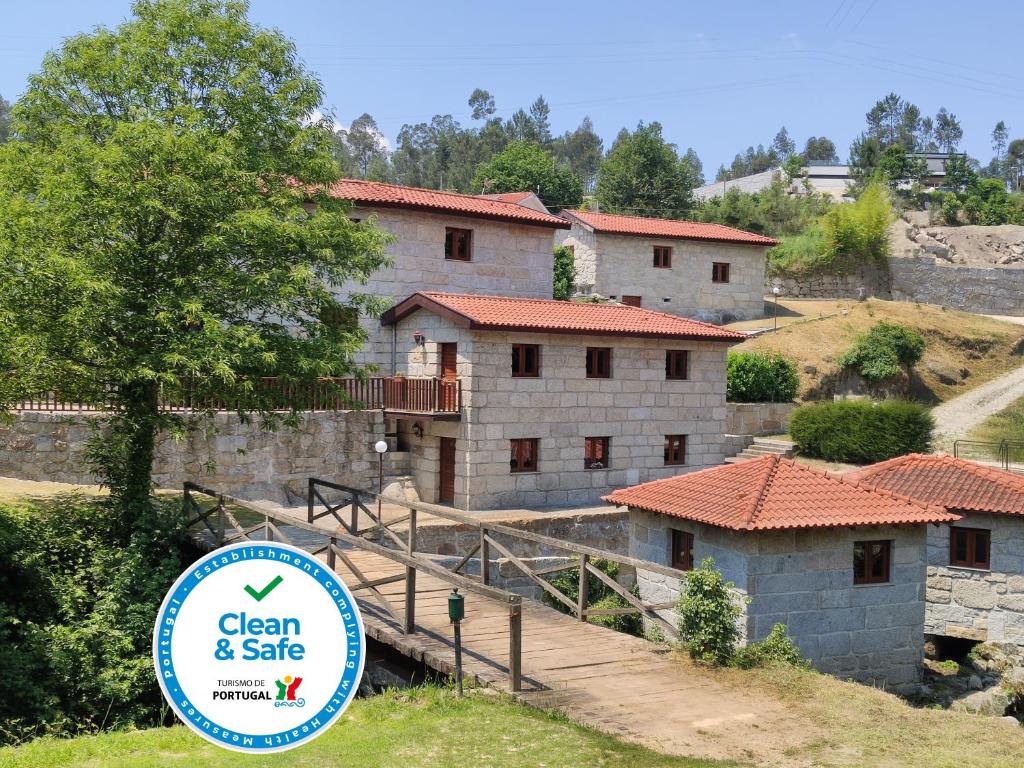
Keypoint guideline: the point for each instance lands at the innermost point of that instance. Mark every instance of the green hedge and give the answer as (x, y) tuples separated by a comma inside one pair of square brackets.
[(754, 377), (861, 431)]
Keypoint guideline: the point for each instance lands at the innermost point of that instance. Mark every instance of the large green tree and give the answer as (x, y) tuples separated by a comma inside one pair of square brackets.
[(5, 119), (156, 227), (525, 166), (643, 174)]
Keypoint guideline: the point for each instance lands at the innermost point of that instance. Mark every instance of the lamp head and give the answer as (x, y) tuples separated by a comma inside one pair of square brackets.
[(381, 446)]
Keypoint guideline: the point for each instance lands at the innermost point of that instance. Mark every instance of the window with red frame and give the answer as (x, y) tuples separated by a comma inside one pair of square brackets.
[(970, 547), (677, 364), (675, 450), (596, 454), (458, 244), (599, 362), (720, 272), (681, 556), (525, 360), (662, 257), (524, 455), (871, 562)]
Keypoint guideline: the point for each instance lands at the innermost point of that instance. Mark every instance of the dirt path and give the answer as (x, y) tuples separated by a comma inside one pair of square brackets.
[(955, 418)]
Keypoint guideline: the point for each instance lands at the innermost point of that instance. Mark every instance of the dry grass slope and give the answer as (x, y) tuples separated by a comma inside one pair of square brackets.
[(955, 341)]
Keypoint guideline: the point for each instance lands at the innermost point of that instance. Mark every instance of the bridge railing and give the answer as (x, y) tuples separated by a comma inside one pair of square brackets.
[(225, 528), (1008, 454), (354, 506)]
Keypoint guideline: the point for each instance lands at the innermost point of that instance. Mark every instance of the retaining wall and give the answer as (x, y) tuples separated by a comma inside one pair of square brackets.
[(757, 419)]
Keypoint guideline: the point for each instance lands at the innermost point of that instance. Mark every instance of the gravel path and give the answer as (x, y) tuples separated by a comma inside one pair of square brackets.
[(957, 417)]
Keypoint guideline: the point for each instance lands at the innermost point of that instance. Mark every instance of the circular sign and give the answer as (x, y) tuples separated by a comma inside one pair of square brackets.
[(259, 647)]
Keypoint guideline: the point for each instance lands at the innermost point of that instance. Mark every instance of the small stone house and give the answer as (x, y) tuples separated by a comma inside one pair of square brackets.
[(705, 271), (976, 564), (842, 566), (555, 403)]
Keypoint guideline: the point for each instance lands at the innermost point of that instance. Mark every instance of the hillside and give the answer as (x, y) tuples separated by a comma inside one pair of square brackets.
[(970, 245), (963, 350)]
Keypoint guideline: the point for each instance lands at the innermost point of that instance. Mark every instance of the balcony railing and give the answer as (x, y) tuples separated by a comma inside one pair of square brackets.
[(395, 394)]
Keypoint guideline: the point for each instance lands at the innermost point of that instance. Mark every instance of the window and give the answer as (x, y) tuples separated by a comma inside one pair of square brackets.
[(970, 547), (681, 556), (526, 360), (675, 450), (662, 257), (599, 362), (720, 272), (524, 455), (871, 562), (677, 364), (458, 244), (596, 453), (631, 301)]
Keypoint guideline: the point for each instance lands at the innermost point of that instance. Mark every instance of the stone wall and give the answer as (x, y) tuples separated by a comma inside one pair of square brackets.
[(618, 265), (758, 419), (992, 291), (508, 259), (223, 453), (873, 632), (635, 408), (975, 604), (865, 282)]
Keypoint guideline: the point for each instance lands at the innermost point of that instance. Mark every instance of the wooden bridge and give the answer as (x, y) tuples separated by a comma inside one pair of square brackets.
[(616, 682)]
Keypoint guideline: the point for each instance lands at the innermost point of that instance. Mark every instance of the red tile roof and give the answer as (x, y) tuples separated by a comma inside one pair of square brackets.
[(772, 493), (501, 313), (615, 224), (957, 484), (373, 193), (507, 197)]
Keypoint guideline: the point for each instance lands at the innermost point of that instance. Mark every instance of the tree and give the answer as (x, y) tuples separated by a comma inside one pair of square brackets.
[(960, 176), (820, 150), (894, 121), (540, 115), (695, 167), (1000, 135), (525, 166), (482, 104), (365, 143), (643, 175), (1015, 161), (155, 232), (581, 150), (948, 132), (865, 155), (564, 273), (898, 167), (426, 152), (782, 145), (5, 119)]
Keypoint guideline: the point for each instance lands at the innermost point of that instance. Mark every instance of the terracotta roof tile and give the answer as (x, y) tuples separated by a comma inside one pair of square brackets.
[(954, 483), (615, 224), (503, 313), (394, 195), (772, 493), (507, 197)]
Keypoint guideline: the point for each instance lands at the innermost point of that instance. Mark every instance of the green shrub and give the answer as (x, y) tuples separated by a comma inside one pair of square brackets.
[(755, 377), (564, 273), (861, 431), (708, 612), (800, 254), (778, 649), (879, 354), (856, 233), (601, 596)]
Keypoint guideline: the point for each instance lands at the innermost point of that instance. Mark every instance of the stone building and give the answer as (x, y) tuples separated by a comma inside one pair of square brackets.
[(557, 402), (843, 567), (705, 271), (444, 241), (976, 564)]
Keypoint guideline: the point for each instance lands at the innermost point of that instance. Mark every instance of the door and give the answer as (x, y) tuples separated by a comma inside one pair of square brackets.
[(446, 472), (631, 301), (447, 388)]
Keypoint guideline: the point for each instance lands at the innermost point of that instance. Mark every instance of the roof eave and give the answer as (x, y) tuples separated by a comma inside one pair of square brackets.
[(512, 218)]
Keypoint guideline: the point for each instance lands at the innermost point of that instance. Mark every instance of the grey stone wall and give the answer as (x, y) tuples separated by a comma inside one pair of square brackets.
[(994, 291), (974, 604), (617, 265), (863, 283), (223, 452), (508, 259), (758, 418), (636, 408), (804, 579)]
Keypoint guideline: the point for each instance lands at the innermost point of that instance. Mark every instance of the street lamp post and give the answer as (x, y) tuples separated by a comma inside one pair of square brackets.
[(381, 447), (775, 292)]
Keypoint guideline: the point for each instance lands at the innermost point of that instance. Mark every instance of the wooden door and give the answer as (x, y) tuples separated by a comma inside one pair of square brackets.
[(446, 472), (448, 390), (631, 301)]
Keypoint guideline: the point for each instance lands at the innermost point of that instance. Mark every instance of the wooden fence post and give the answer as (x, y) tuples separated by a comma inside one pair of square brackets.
[(485, 557), (331, 556), (410, 578), (267, 530), (309, 500), (515, 646), (220, 521), (584, 596), (355, 515)]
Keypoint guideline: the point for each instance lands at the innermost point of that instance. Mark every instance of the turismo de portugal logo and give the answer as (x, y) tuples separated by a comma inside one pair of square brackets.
[(259, 647)]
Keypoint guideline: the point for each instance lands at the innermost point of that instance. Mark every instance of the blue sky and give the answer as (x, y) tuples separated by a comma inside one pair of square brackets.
[(718, 76)]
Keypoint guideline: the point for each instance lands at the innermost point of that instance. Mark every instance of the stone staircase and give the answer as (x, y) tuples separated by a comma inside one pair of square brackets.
[(398, 478), (764, 446)]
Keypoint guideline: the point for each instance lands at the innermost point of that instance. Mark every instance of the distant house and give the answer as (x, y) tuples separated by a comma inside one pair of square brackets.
[(976, 564), (841, 565), (691, 269)]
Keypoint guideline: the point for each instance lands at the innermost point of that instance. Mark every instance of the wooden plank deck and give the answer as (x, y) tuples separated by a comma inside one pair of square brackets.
[(617, 683)]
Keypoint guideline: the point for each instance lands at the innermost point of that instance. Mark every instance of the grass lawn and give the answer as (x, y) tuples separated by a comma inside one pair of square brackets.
[(955, 340), (428, 727), (1008, 424)]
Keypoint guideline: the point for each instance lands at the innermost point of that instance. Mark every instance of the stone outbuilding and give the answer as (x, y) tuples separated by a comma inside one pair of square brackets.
[(556, 403), (843, 567), (976, 564), (691, 269)]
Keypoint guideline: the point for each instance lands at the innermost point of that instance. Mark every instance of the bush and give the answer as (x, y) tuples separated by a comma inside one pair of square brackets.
[(861, 431), (800, 254), (564, 273), (707, 615), (754, 377), (778, 649), (879, 354), (856, 233), (601, 596)]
